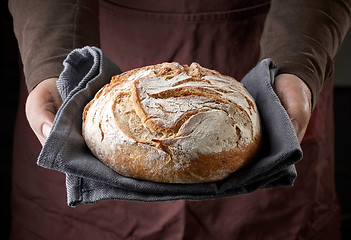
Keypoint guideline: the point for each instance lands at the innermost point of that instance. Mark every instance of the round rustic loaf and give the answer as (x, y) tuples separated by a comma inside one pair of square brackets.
[(173, 123)]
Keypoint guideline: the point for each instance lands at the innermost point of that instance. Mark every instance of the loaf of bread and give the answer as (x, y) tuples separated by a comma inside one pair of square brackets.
[(173, 123)]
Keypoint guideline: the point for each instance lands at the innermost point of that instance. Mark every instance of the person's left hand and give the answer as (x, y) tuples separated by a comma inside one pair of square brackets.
[(296, 99)]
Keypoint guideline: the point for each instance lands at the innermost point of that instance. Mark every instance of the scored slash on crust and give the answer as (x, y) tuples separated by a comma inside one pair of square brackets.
[(176, 109)]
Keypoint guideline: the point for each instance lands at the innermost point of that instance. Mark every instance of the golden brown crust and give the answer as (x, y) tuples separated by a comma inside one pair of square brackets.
[(173, 123), (204, 168)]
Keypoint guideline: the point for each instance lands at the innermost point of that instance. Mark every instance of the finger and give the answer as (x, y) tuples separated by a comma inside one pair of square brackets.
[(299, 120), (41, 107), (295, 96)]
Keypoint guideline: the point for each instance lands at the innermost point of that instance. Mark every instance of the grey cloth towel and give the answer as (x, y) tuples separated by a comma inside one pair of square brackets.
[(88, 180)]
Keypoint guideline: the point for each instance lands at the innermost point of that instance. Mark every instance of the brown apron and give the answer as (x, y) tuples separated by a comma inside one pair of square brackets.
[(222, 35)]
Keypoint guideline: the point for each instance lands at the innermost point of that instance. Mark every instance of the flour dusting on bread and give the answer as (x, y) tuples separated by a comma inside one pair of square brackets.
[(173, 123)]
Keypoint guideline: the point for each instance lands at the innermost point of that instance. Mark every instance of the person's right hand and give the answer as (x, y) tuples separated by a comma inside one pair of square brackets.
[(41, 107)]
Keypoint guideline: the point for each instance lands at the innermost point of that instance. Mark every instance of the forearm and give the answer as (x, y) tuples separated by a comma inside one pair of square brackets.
[(48, 30), (303, 36)]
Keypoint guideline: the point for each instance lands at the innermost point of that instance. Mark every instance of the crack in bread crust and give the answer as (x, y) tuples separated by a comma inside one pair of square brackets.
[(162, 123)]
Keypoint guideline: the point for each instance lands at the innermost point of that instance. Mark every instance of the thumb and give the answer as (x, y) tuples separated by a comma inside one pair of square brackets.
[(41, 107)]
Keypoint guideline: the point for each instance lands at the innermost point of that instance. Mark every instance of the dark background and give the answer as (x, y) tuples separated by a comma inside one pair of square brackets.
[(342, 114), (10, 75), (9, 80)]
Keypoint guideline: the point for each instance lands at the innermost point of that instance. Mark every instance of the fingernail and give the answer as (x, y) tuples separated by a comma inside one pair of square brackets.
[(46, 129)]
